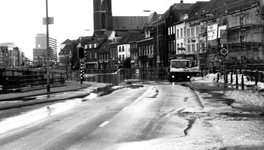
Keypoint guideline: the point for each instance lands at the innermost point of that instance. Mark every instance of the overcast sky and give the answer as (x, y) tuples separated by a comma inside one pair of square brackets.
[(21, 20)]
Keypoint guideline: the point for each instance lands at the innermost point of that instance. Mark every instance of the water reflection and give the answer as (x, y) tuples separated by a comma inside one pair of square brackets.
[(36, 115)]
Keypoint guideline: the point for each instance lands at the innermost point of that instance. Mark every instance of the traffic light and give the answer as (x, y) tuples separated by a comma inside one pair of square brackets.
[(81, 52)]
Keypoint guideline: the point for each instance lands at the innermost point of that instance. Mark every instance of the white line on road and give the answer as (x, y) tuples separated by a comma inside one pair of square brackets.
[(103, 124), (125, 108)]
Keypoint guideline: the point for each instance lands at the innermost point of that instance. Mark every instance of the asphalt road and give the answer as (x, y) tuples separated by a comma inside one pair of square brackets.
[(124, 116)]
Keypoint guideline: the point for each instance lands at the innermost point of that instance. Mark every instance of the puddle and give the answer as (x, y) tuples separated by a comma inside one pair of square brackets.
[(189, 126), (241, 115), (41, 96), (218, 97), (36, 115)]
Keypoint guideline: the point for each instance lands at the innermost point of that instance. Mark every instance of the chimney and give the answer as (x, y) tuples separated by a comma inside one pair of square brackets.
[(181, 1)]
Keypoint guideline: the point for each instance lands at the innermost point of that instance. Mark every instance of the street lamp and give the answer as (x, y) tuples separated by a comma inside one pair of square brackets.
[(47, 47)]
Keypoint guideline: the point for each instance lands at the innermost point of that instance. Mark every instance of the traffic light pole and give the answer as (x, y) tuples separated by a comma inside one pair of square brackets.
[(81, 70)]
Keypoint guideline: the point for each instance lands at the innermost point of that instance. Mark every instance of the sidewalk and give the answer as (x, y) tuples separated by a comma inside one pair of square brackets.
[(69, 86), (70, 90)]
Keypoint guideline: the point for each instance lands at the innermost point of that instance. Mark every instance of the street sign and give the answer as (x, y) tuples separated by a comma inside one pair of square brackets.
[(224, 52), (158, 59), (50, 20)]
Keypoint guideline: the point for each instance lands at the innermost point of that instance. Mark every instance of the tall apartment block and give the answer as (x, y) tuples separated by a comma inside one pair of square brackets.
[(39, 52)]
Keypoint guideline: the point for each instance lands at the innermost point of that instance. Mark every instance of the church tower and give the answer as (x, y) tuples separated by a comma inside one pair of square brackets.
[(103, 19)]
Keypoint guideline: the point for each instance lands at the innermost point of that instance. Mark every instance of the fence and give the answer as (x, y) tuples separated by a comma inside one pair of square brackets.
[(118, 76), (20, 79), (253, 75)]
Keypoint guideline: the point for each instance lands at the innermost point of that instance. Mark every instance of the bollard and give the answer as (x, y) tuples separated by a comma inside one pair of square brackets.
[(231, 79), (256, 77), (217, 77), (226, 76), (236, 79), (242, 82)]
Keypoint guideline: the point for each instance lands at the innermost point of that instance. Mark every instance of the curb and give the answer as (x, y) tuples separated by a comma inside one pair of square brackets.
[(29, 103), (44, 93)]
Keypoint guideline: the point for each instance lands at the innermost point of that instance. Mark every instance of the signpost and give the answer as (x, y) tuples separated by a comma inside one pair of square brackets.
[(224, 53)]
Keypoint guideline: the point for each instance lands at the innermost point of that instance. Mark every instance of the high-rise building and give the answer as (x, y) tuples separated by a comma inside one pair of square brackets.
[(39, 52)]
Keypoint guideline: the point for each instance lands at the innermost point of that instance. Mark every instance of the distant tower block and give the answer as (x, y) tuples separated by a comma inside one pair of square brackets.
[(103, 19)]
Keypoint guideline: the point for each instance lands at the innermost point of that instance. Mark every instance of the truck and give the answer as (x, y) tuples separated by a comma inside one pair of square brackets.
[(182, 70)]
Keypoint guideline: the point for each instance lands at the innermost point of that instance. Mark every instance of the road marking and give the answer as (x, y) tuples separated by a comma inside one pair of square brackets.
[(103, 124), (125, 108)]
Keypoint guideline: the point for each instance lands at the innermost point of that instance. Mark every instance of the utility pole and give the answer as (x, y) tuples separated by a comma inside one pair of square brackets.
[(47, 47)]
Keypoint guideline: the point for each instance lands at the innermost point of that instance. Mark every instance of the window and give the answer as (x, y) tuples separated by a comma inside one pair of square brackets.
[(91, 57), (123, 48), (193, 48), (197, 47), (95, 45), (181, 33), (178, 33), (188, 32), (197, 30), (103, 20), (178, 45), (95, 55), (169, 31), (119, 48), (123, 57), (181, 45), (188, 48), (192, 31)]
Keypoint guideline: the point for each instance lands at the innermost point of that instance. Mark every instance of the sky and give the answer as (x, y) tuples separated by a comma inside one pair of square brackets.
[(21, 20)]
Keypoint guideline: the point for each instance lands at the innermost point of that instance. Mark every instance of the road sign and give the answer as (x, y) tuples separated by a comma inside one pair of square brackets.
[(224, 52), (50, 20)]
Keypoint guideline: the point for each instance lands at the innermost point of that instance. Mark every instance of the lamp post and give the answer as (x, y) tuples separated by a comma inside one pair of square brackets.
[(47, 47)]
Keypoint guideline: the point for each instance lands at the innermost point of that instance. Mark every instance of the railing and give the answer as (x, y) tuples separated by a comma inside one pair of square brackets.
[(14, 80), (121, 75)]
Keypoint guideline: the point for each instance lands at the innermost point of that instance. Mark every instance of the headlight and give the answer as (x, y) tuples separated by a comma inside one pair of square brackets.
[(188, 76), (172, 76)]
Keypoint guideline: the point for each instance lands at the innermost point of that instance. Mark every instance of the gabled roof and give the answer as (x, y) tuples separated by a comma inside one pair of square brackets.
[(130, 36), (105, 46), (67, 42), (193, 12), (66, 50), (150, 19), (176, 9), (218, 7), (128, 22)]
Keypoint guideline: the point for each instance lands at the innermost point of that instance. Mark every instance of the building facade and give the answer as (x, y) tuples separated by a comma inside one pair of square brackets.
[(40, 52)]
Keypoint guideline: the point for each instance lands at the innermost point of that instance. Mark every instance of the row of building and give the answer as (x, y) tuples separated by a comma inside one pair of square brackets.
[(11, 56), (207, 33)]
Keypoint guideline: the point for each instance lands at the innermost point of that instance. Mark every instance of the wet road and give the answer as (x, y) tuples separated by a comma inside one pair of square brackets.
[(123, 116)]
